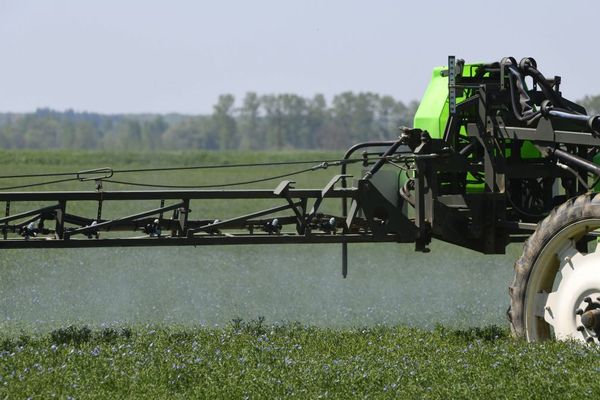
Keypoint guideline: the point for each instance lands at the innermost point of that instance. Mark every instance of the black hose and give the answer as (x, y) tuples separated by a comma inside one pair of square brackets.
[(522, 115), (550, 94)]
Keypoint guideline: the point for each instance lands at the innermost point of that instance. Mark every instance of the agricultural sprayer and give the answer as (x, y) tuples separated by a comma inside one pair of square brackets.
[(497, 155)]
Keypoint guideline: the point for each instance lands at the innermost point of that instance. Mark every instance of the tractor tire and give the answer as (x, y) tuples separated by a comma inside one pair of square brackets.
[(555, 293)]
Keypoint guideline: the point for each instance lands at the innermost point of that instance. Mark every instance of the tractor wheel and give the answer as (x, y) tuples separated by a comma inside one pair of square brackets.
[(555, 293)]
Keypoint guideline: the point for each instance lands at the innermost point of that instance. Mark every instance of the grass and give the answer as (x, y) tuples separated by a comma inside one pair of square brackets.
[(255, 360)]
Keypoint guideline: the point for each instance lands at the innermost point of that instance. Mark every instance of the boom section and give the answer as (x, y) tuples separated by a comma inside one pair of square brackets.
[(76, 219)]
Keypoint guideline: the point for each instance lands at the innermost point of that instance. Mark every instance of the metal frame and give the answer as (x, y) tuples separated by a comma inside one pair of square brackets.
[(75, 231)]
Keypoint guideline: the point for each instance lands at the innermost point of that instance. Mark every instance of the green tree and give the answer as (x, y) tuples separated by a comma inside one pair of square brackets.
[(591, 104), (273, 121), (152, 132), (250, 132), (294, 127), (316, 119), (387, 118), (191, 133), (225, 123), (85, 136), (129, 134), (40, 131), (363, 117)]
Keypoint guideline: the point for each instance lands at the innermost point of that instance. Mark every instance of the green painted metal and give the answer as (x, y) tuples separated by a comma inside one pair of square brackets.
[(433, 112), (434, 109)]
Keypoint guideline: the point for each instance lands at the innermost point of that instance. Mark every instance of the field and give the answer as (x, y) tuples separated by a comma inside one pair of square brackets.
[(188, 322), (251, 360)]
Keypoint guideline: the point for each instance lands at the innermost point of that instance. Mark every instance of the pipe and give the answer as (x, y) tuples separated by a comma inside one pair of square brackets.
[(391, 150), (567, 115), (592, 121), (349, 152), (579, 162)]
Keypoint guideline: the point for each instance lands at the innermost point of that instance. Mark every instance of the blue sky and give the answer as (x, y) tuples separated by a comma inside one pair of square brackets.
[(178, 56)]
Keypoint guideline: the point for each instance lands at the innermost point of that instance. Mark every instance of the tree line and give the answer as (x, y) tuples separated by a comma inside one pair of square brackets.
[(257, 122)]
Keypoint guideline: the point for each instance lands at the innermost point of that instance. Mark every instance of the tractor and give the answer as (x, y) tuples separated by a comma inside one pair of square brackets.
[(496, 156)]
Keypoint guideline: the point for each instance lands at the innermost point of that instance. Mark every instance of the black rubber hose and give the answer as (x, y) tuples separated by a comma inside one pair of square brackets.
[(550, 94), (518, 113)]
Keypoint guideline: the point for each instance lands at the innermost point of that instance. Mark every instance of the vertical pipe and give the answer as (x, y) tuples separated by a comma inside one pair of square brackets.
[(345, 201), (5, 230), (344, 260)]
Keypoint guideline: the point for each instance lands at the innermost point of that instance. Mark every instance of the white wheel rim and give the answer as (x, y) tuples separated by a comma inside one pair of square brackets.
[(563, 283)]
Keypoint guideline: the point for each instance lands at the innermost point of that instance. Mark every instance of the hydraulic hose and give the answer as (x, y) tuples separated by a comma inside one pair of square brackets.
[(524, 113), (550, 94)]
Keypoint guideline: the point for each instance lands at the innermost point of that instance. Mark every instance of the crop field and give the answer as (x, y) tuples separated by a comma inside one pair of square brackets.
[(261, 321), (251, 360)]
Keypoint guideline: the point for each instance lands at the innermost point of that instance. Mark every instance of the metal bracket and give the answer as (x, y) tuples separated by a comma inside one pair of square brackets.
[(7, 213), (95, 174), (452, 84), (133, 217), (283, 188), (326, 191), (329, 187), (225, 223)]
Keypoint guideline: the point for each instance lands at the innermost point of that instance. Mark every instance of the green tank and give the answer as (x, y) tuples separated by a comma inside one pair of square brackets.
[(434, 111)]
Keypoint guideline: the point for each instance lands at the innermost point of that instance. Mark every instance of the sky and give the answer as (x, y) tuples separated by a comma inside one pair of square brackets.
[(137, 56)]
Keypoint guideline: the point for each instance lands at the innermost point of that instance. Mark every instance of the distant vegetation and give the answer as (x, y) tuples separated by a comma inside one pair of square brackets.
[(255, 360), (267, 122), (284, 121), (591, 104)]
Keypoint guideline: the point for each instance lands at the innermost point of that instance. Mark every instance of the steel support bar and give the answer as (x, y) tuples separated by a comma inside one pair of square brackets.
[(28, 213), (224, 223), (523, 133), (576, 161), (325, 192), (6, 213), (108, 224), (196, 240), (170, 195)]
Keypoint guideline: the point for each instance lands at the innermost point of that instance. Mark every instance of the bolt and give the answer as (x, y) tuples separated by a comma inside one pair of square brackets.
[(579, 311), (580, 328), (588, 300), (590, 340)]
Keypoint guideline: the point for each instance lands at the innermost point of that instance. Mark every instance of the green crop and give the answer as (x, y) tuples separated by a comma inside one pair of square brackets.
[(256, 360)]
